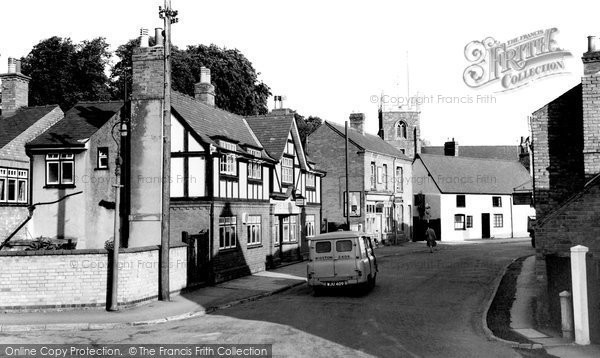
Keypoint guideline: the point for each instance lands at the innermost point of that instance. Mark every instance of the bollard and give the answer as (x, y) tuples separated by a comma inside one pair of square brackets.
[(566, 314), (580, 298)]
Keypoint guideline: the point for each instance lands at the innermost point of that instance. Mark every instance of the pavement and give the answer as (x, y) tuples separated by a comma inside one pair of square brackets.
[(182, 306), (522, 320)]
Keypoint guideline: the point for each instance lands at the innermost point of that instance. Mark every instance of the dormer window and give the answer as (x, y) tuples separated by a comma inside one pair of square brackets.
[(254, 152), (401, 130), (289, 148), (228, 145), (310, 180)]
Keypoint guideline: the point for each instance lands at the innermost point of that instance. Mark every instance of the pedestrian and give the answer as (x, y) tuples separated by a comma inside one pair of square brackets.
[(430, 237)]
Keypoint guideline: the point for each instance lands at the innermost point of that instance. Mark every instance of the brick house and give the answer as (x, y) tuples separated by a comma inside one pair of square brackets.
[(471, 198), (380, 194), (18, 125), (76, 155), (566, 165), (293, 178)]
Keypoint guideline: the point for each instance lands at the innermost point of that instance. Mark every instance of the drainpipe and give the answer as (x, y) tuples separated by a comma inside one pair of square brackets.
[(512, 233)]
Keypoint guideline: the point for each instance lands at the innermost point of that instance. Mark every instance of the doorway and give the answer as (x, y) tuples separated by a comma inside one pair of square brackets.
[(485, 225)]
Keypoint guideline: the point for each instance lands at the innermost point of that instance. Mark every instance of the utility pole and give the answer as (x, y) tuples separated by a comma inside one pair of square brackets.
[(347, 184), (170, 17)]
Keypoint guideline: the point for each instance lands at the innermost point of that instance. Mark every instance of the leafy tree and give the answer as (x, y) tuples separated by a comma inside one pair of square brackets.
[(307, 125), (235, 79), (63, 72)]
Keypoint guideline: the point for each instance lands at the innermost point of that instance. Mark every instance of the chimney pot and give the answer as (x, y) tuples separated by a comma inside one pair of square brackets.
[(204, 75), (451, 148), (144, 37), (158, 37), (12, 65), (592, 44)]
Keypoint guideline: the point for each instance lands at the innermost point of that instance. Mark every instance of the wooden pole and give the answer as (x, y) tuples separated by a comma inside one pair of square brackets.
[(347, 183)]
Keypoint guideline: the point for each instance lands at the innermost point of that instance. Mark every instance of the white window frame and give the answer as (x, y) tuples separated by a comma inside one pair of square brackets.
[(15, 177), (61, 160), (498, 220), (310, 180), (101, 156), (287, 170), (228, 145), (254, 152), (499, 199), (227, 232), (254, 229), (399, 179), (291, 222), (310, 226), (228, 164), (460, 225), (254, 170)]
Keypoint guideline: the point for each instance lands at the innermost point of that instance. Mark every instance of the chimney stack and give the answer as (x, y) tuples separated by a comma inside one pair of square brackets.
[(590, 88), (204, 90), (15, 88), (451, 148), (357, 121), (146, 129)]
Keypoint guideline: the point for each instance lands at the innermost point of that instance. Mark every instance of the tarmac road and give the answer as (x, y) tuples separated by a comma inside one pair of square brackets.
[(424, 305)]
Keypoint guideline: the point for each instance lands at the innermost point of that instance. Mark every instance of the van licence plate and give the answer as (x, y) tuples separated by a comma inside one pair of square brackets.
[(335, 283)]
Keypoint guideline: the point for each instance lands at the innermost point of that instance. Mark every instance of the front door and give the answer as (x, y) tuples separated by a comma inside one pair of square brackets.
[(485, 226)]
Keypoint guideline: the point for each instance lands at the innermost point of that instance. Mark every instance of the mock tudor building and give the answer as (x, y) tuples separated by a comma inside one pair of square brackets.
[(74, 160), (380, 194), (566, 169), (18, 125), (293, 181), (467, 198)]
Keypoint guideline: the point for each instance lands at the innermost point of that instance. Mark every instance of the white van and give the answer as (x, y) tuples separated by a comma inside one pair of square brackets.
[(342, 258)]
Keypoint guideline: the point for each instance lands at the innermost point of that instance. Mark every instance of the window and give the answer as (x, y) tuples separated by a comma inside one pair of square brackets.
[(459, 222), (385, 176), (254, 152), (289, 148), (102, 161), (469, 221), (227, 232), (323, 247), (460, 201), (290, 228), (310, 225), (60, 169), (403, 151), (498, 220), (254, 170), (399, 179), (228, 145), (373, 174), (276, 233), (343, 245), (13, 185), (287, 170), (389, 219), (497, 201), (254, 229), (228, 164), (379, 175), (310, 180), (401, 130)]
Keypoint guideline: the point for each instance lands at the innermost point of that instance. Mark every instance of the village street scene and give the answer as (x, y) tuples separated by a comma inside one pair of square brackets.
[(299, 179)]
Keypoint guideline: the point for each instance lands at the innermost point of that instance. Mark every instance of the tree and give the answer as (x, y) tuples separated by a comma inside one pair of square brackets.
[(64, 73), (306, 125), (237, 88)]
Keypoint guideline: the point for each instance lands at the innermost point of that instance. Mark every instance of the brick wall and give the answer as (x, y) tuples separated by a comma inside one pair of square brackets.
[(590, 83), (327, 147), (78, 278), (557, 133), (242, 260), (15, 92), (148, 73)]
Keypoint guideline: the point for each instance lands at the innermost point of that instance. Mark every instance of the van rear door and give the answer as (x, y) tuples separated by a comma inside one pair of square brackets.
[(345, 257), (323, 264)]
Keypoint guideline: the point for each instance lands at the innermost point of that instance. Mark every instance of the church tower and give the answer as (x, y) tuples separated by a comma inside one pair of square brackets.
[(401, 128)]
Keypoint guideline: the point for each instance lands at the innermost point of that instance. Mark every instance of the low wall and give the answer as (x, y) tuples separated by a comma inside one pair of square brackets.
[(78, 278)]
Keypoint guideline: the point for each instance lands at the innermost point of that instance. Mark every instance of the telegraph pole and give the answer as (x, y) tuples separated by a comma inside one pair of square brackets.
[(347, 183), (170, 17)]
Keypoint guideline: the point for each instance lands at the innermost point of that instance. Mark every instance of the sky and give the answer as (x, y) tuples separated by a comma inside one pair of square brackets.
[(332, 58)]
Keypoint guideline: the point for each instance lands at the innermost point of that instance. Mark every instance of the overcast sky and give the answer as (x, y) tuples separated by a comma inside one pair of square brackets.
[(332, 58)]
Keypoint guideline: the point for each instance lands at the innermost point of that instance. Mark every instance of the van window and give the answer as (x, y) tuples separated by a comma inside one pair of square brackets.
[(343, 245), (323, 246)]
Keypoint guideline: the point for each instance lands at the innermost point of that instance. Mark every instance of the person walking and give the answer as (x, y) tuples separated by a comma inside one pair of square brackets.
[(430, 238)]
